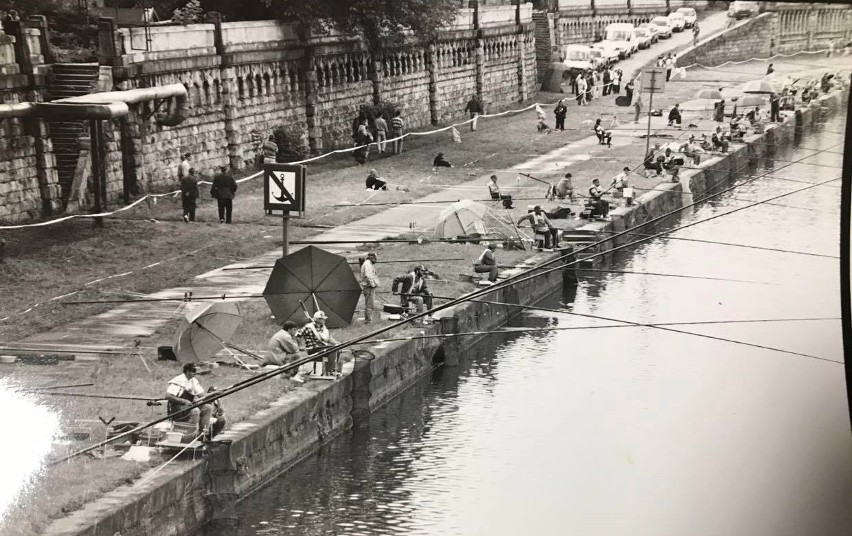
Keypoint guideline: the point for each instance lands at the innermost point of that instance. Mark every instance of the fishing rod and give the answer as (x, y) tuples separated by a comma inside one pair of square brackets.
[(401, 241), (675, 275), (107, 397), (639, 324), (351, 262), (433, 202), (513, 331), (519, 278), (51, 387), (527, 175)]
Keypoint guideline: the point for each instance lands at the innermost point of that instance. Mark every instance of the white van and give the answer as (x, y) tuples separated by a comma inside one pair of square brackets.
[(579, 58), (621, 35)]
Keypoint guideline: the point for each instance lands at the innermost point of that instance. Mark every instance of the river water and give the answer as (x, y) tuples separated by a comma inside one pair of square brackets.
[(629, 430)]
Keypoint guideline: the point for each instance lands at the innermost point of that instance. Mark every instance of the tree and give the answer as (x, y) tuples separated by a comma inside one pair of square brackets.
[(379, 22), (191, 13)]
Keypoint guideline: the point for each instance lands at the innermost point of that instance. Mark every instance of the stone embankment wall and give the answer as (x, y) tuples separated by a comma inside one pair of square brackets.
[(782, 29)]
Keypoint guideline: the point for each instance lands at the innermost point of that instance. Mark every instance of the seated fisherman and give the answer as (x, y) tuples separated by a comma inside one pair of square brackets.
[(692, 150), (651, 161), (374, 182), (604, 137), (487, 263), (674, 116), (564, 188), (494, 192), (719, 141), (672, 163), (542, 226), (284, 349), (705, 144), (412, 289), (596, 196), (440, 161), (184, 390), (316, 337)]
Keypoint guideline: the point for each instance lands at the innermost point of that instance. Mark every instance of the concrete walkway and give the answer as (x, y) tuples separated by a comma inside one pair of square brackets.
[(119, 327)]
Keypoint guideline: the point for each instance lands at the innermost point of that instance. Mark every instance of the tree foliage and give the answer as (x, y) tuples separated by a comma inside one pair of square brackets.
[(191, 13), (377, 21)]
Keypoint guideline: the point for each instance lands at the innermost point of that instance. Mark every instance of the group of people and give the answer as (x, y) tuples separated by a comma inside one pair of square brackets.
[(293, 342), (411, 287), (385, 128), (592, 84), (223, 190)]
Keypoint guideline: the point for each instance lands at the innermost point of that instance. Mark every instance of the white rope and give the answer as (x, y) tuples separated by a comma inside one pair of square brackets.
[(160, 468)]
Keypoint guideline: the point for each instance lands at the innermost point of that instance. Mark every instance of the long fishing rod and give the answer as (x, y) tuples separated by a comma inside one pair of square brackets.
[(106, 397), (432, 202), (639, 324), (51, 387), (731, 244), (512, 331), (350, 262), (675, 275), (520, 278)]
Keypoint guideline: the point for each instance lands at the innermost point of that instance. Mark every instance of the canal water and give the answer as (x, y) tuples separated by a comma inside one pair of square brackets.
[(618, 431)]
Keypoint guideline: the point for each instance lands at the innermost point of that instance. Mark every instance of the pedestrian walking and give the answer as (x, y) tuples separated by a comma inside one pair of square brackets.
[(189, 195), (581, 90), (369, 283), (560, 111), (607, 79), (270, 150), (668, 63), (397, 131), (184, 166), (474, 108), (695, 31), (224, 190), (381, 132), (363, 139), (637, 106)]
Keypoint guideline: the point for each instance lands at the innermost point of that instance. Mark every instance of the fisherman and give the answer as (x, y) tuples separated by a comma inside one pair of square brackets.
[(369, 283), (718, 140), (284, 349), (619, 183), (651, 161), (564, 188), (542, 226), (674, 116), (596, 196), (672, 163), (487, 263), (604, 137), (412, 289), (494, 192), (374, 182), (316, 337), (184, 390), (692, 150)]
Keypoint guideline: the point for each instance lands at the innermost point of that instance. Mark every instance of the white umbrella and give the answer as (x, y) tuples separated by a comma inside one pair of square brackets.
[(758, 86)]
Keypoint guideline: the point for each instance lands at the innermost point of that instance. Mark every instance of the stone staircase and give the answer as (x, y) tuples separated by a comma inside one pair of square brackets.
[(69, 80), (580, 239)]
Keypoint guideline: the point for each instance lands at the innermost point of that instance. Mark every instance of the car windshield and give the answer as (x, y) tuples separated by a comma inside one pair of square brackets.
[(686, 11), (578, 55), (660, 22), (618, 35), (641, 32), (596, 53)]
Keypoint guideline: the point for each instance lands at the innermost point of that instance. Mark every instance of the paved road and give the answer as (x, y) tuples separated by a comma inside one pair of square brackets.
[(118, 327)]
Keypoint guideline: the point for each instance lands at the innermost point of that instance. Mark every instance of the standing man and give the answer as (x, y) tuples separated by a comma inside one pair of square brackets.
[(474, 107), (637, 106), (540, 224), (668, 63), (270, 150), (770, 70), (223, 191), (369, 283), (189, 195), (607, 79), (774, 108), (183, 167), (363, 139), (381, 132), (184, 390), (487, 263), (284, 349), (582, 87), (397, 130), (560, 111), (695, 31)]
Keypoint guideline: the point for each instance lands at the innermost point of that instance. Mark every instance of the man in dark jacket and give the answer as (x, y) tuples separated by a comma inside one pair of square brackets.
[(223, 190), (474, 108), (189, 195), (674, 116), (412, 288), (560, 112)]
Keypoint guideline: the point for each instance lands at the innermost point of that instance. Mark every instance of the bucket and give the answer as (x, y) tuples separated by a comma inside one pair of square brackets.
[(166, 353), (394, 309), (174, 437), (8, 359)]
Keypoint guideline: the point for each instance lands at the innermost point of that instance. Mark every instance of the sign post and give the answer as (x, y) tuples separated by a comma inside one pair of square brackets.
[(653, 80), (283, 194)]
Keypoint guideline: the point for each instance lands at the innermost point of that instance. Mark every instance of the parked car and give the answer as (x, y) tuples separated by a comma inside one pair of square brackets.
[(621, 36), (643, 37), (742, 10), (610, 52), (677, 22), (654, 29), (663, 25), (689, 15), (579, 58), (601, 59)]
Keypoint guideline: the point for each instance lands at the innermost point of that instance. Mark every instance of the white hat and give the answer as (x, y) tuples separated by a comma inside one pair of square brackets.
[(320, 315)]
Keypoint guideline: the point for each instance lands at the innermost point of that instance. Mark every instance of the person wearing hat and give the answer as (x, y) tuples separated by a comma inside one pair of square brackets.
[(284, 349), (413, 289), (494, 192), (316, 337), (541, 225), (184, 390), (369, 283), (487, 263), (596, 196)]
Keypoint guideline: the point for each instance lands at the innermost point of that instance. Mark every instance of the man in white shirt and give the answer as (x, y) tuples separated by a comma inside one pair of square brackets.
[(183, 168), (184, 390), (369, 283)]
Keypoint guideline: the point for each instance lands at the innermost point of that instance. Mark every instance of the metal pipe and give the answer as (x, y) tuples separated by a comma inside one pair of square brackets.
[(63, 110), (131, 96), (20, 109)]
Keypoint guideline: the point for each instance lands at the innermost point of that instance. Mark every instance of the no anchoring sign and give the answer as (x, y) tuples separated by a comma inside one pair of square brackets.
[(283, 188)]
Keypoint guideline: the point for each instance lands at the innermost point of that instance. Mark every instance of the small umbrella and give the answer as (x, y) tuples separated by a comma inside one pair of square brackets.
[(205, 333), (748, 101), (319, 280), (707, 93), (462, 218), (778, 82), (758, 86)]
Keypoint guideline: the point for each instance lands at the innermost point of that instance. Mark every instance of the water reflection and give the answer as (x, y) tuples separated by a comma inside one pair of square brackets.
[(30, 429)]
